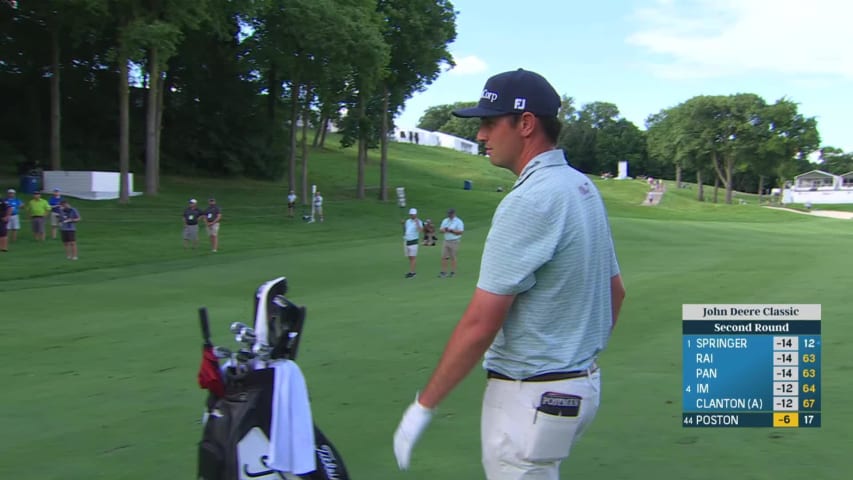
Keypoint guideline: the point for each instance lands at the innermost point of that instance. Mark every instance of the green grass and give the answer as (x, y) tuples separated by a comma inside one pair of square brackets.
[(100, 355)]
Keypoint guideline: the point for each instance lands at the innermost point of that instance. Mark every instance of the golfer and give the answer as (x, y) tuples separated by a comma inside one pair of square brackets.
[(547, 299)]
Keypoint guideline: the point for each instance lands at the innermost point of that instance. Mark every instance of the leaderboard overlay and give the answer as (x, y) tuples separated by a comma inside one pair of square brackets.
[(751, 365)]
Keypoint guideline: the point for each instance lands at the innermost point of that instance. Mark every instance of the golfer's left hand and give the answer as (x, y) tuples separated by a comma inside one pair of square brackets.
[(413, 424)]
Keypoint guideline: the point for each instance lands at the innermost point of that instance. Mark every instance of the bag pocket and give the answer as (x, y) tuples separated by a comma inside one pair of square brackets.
[(549, 438), (211, 461)]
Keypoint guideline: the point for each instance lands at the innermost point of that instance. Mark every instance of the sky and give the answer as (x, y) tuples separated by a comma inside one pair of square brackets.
[(647, 55)]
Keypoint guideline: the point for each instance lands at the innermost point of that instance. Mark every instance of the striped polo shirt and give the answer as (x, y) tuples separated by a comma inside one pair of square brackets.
[(550, 245)]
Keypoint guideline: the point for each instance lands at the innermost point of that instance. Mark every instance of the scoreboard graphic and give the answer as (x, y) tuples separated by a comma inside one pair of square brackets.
[(751, 366)]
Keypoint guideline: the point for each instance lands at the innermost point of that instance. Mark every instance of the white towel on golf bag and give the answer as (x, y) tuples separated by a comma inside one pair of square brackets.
[(291, 424)]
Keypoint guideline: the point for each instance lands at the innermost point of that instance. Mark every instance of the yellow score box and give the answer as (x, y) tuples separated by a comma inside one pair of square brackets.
[(791, 419)]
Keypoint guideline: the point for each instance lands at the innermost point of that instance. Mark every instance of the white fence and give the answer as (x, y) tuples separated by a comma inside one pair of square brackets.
[(88, 185)]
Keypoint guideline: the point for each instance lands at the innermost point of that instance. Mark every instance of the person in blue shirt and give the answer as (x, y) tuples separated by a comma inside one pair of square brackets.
[(14, 223), (54, 216), (5, 213)]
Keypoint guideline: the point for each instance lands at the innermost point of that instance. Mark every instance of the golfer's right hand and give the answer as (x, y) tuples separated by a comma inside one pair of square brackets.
[(414, 422)]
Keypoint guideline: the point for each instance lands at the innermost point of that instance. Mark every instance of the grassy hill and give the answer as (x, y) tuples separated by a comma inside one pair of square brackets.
[(101, 354)]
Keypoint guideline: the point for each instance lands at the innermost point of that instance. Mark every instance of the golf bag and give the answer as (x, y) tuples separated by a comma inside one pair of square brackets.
[(238, 428)]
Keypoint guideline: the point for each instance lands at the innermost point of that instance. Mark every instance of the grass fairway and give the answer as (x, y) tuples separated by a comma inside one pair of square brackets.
[(100, 355)]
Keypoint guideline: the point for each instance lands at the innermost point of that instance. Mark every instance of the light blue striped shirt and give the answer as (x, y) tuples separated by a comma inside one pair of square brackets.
[(454, 223), (550, 244)]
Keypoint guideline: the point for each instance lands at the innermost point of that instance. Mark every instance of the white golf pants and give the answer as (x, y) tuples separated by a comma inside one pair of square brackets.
[(521, 443)]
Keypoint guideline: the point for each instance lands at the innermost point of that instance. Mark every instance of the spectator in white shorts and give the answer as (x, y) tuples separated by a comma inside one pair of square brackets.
[(452, 228), (14, 223), (412, 228)]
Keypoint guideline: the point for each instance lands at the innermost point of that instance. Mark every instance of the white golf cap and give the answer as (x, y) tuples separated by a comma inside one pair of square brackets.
[(413, 211), (11, 190), (192, 200)]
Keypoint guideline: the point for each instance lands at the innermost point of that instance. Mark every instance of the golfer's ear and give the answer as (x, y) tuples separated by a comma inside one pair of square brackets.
[(527, 123)]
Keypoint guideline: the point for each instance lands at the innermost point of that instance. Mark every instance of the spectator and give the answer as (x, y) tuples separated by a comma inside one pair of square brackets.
[(429, 233), (39, 209), (412, 228), (318, 205), (191, 216), (54, 201), (68, 218), (212, 217), (291, 203), (14, 223), (452, 228), (5, 213)]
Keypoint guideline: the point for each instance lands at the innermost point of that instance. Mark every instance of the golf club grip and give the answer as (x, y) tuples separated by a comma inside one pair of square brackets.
[(205, 326)]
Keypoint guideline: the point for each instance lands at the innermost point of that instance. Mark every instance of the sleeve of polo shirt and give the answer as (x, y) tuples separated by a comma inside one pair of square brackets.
[(614, 262), (519, 242)]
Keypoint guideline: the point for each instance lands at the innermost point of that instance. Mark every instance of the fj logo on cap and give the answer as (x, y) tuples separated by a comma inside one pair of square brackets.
[(490, 96), (520, 103)]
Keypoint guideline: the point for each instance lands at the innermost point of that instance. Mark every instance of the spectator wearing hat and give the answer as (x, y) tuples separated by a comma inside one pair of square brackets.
[(5, 213), (68, 218), (38, 208), (318, 205), (452, 228), (412, 228), (14, 222), (53, 201), (291, 203), (191, 216), (212, 217)]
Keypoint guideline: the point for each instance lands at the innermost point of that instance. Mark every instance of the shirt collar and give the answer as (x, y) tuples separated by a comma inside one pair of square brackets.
[(551, 158)]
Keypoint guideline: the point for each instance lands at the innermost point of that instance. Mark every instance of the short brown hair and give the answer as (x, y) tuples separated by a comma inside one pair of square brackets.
[(550, 125)]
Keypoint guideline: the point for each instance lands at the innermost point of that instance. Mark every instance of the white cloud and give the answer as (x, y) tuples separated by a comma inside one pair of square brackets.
[(469, 65), (708, 38)]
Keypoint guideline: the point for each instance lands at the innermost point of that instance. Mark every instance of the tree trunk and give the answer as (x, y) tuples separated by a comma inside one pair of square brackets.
[(305, 113), (294, 117), (730, 165), (716, 187), (55, 103), (151, 123), (678, 175), (272, 88), (700, 194), (161, 101), (325, 131), (124, 130), (760, 188), (319, 130), (383, 142), (362, 143)]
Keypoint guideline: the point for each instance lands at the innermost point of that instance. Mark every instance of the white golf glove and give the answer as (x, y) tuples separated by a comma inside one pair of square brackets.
[(413, 424)]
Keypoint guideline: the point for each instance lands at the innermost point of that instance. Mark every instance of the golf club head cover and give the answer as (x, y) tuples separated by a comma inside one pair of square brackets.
[(209, 376)]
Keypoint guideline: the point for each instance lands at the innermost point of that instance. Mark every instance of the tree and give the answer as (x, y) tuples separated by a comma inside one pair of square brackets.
[(418, 33), (619, 141), (789, 139), (835, 160), (159, 28), (434, 117)]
